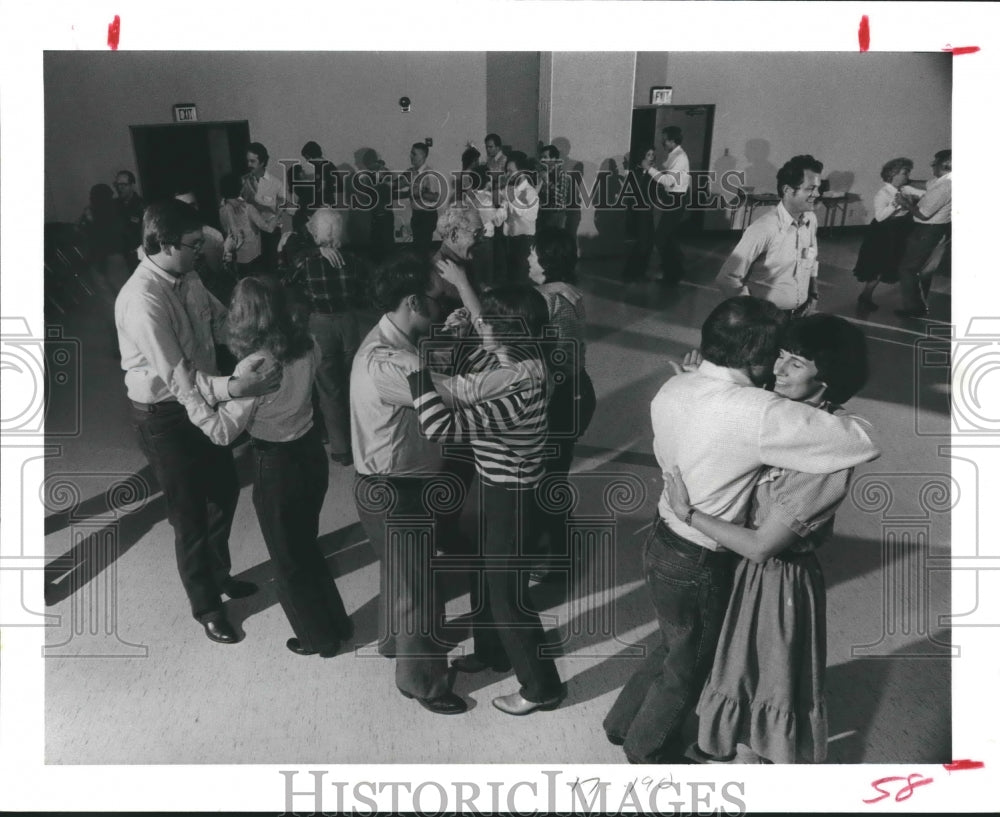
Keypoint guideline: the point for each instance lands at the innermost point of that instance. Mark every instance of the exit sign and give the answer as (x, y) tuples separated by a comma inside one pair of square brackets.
[(185, 112)]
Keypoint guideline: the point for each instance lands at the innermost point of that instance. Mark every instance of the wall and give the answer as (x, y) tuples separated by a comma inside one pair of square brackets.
[(346, 101), (852, 111), (512, 98), (588, 102)]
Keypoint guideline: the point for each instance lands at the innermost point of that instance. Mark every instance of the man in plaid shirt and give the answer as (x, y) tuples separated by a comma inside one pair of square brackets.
[(555, 190), (334, 290)]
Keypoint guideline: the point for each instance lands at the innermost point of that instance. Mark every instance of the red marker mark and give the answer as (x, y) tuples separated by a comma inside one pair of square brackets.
[(904, 793), (864, 34), (114, 32), (963, 765), (961, 49)]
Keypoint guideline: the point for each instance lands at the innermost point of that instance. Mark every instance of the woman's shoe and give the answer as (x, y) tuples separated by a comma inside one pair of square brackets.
[(296, 647), (517, 704)]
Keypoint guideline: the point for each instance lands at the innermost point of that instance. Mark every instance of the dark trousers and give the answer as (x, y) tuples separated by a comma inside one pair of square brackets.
[(637, 260), (499, 246), (199, 484), (518, 250), (269, 250), (689, 586), (671, 255), (914, 281), (423, 224), (290, 482), (383, 237), (338, 337), (400, 528), (503, 623), (570, 410)]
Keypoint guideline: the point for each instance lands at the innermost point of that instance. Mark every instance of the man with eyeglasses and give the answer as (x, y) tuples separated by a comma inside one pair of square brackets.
[(163, 315), (403, 488), (784, 241), (131, 207)]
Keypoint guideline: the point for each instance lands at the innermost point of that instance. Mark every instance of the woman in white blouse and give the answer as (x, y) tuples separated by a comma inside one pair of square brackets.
[(291, 472), (882, 247)]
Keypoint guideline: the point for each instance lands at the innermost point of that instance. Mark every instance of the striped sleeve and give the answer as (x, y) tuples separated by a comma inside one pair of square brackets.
[(488, 419)]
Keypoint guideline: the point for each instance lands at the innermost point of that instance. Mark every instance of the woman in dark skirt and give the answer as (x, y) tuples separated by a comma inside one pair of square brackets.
[(291, 473), (639, 217), (885, 238), (767, 685)]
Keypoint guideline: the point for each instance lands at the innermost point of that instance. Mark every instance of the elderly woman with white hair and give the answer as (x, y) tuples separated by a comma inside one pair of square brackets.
[(334, 290)]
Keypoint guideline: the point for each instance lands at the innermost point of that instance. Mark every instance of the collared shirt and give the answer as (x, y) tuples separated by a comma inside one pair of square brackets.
[(278, 417), (385, 430), (675, 171), (569, 315), (162, 319), (935, 205), (719, 430), (268, 197), (428, 187), (790, 259), (330, 289), (556, 193)]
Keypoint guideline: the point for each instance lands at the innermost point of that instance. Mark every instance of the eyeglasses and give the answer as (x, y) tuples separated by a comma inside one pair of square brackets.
[(123, 184), (198, 246)]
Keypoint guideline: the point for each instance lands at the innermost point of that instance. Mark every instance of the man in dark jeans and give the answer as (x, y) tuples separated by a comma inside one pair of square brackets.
[(736, 430), (164, 315)]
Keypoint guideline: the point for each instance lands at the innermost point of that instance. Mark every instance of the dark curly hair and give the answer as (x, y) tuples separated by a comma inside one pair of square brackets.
[(556, 251), (260, 318), (836, 346)]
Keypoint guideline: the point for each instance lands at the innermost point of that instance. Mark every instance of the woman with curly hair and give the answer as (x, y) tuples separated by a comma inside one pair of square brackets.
[(291, 473)]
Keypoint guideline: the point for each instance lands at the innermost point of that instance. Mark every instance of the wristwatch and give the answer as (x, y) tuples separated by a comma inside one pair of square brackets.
[(689, 515)]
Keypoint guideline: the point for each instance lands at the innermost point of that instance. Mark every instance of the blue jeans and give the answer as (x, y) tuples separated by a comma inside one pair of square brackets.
[(690, 588), (290, 482)]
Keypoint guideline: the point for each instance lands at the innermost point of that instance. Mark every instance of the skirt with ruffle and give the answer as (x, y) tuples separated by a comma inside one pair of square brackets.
[(766, 688)]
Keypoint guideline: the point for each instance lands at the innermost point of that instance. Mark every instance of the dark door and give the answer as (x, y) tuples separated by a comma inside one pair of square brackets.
[(695, 122), (189, 156)]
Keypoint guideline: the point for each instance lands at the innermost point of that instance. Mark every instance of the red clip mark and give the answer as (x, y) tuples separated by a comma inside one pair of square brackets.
[(961, 49), (864, 34), (963, 765), (114, 32), (904, 793)]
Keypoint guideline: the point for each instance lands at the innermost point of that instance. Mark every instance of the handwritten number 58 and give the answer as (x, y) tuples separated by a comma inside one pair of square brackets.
[(904, 793)]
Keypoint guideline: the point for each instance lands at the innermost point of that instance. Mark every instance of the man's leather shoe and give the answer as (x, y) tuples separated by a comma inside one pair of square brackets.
[(236, 589), (516, 704), (218, 629), (447, 704), (473, 663), (296, 647)]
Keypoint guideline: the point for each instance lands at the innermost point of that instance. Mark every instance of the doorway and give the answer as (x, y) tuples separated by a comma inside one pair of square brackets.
[(190, 156), (695, 122)]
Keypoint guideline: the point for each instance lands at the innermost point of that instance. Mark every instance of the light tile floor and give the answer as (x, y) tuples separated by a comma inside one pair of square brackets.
[(131, 679)]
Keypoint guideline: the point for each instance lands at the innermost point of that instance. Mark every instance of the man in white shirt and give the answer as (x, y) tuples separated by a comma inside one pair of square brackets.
[(719, 430), (266, 193), (931, 225), (426, 196), (163, 315), (784, 243), (673, 181)]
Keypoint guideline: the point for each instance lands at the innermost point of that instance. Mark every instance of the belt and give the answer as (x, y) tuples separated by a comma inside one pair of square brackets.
[(686, 545), (157, 408)]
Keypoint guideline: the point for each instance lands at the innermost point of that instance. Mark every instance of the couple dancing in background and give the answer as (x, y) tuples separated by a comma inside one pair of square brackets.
[(756, 474)]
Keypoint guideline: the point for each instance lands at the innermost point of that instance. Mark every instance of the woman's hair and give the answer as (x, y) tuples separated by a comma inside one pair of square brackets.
[(102, 202), (556, 251), (231, 185), (517, 314), (260, 319), (893, 166), (470, 158), (836, 346)]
